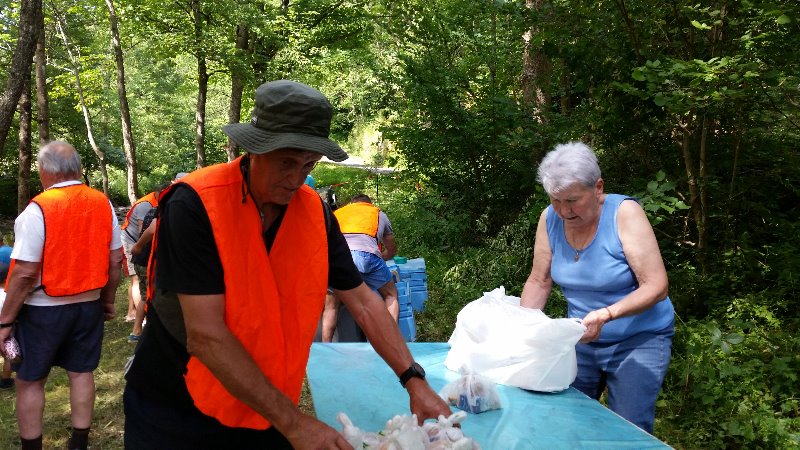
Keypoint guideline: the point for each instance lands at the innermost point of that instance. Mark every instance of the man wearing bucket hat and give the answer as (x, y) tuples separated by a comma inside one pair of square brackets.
[(222, 360)]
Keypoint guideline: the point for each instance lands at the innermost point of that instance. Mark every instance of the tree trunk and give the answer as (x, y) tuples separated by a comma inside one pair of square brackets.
[(202, 87), (696, 183), (24, 170), (623, 10), (42, 103), (535, 68), (20, 69), (702, 232), (200, 113), (237, 86), (125, 114), (101, 157)]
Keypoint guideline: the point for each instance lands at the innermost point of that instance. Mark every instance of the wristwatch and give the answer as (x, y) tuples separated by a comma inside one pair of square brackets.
[(415, 371)]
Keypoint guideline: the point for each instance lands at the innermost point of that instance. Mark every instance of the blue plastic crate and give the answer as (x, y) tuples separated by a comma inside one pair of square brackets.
[(404, 301), (403, 287), (416, 285), (408, 328), (406, 311), (414, 276), (418, 299)]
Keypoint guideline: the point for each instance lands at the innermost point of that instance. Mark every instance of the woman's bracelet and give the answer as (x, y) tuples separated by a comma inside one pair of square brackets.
[(610, 316)]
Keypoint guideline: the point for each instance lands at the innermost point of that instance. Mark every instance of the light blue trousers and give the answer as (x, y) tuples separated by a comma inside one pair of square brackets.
[(633, 370)]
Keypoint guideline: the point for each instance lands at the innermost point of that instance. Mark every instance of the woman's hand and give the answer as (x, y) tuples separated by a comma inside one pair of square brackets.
[(594, 322)]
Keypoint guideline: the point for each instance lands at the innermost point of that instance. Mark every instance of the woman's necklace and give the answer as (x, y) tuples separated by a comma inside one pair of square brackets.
[(584, 243), (578, 250)]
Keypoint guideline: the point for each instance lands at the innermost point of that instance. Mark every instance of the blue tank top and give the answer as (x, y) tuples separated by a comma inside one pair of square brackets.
[(602, 276)]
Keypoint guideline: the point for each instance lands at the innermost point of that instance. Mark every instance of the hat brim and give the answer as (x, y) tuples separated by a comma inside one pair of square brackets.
[(256, 140)]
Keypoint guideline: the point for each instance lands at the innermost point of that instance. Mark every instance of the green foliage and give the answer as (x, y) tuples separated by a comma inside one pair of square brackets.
[(458, 125), (733, 382), (657, 202)]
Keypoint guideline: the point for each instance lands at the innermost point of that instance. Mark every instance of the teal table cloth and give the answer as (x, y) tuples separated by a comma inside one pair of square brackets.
[(352, 378)]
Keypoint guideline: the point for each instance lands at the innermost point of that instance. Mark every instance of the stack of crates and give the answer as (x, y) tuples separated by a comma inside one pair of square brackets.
[(405, 320), (414, 272), (412, 291)]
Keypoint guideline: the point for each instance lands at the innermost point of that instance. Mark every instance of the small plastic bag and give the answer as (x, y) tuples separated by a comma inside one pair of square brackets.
[(472, 393)]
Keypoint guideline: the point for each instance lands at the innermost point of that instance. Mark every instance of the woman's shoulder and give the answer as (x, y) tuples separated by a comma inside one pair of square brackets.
[(631, 213), (618, 199)]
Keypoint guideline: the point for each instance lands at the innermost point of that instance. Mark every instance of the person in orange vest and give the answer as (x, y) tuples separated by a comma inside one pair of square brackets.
[(140, 251), (244, 253), (60, 289), (132, 229), (370, 237), (130, 234)]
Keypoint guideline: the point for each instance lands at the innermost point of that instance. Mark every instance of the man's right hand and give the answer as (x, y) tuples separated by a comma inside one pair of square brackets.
[(109, 311), (309, 433)]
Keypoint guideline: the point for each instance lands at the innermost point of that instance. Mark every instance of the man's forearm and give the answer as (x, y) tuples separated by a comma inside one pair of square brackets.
[(230, 363), (381, 330), (20, 285)]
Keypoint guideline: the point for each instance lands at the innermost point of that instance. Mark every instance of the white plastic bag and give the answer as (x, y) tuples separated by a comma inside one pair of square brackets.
[(513, 345)]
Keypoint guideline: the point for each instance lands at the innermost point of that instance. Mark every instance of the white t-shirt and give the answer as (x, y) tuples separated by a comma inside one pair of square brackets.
[(29, 246)]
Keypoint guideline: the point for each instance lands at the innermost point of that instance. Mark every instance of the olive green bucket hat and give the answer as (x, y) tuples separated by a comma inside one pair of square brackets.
[(288, 114)]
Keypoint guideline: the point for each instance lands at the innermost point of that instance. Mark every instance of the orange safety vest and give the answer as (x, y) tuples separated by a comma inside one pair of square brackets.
[(149, 198), (358, 218), (77, 230), (273, 300)]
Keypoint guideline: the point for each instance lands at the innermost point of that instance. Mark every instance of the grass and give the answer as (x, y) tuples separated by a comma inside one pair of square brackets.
[(109, 418)]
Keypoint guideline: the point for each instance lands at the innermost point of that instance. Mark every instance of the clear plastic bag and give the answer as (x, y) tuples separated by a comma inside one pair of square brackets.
[(472, 393)]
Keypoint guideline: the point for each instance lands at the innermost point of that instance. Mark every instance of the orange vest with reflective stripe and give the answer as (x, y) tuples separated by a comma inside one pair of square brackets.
[(149, 198), (77, 237), (358, 218), (272, 301)]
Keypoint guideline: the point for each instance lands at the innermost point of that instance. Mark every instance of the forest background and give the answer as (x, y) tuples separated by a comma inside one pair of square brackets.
[(693, 106)]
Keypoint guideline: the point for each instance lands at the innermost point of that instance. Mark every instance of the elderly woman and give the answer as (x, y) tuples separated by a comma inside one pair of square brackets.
[(601, 250)]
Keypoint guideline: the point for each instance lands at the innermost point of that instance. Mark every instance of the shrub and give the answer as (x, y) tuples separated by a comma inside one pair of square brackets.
[(733, 382)]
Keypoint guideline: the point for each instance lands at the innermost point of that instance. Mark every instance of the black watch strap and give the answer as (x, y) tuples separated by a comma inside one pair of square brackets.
[(6, 325), (415, 371)]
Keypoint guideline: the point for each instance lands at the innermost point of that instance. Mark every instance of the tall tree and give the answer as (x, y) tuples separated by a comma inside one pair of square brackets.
[(125, 114), (237, 85), (23, 172), (20, 69), (76, 72), (202, 84), (42, 104), (535, 69)]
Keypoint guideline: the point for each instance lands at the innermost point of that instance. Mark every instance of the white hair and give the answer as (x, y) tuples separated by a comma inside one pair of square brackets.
[(59, 158), (568, 164)]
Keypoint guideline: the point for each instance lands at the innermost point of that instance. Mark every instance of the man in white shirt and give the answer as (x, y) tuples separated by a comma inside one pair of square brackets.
[(61, 288)]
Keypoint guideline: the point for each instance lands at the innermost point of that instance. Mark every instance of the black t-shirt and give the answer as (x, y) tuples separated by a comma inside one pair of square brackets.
[(188, 260)]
